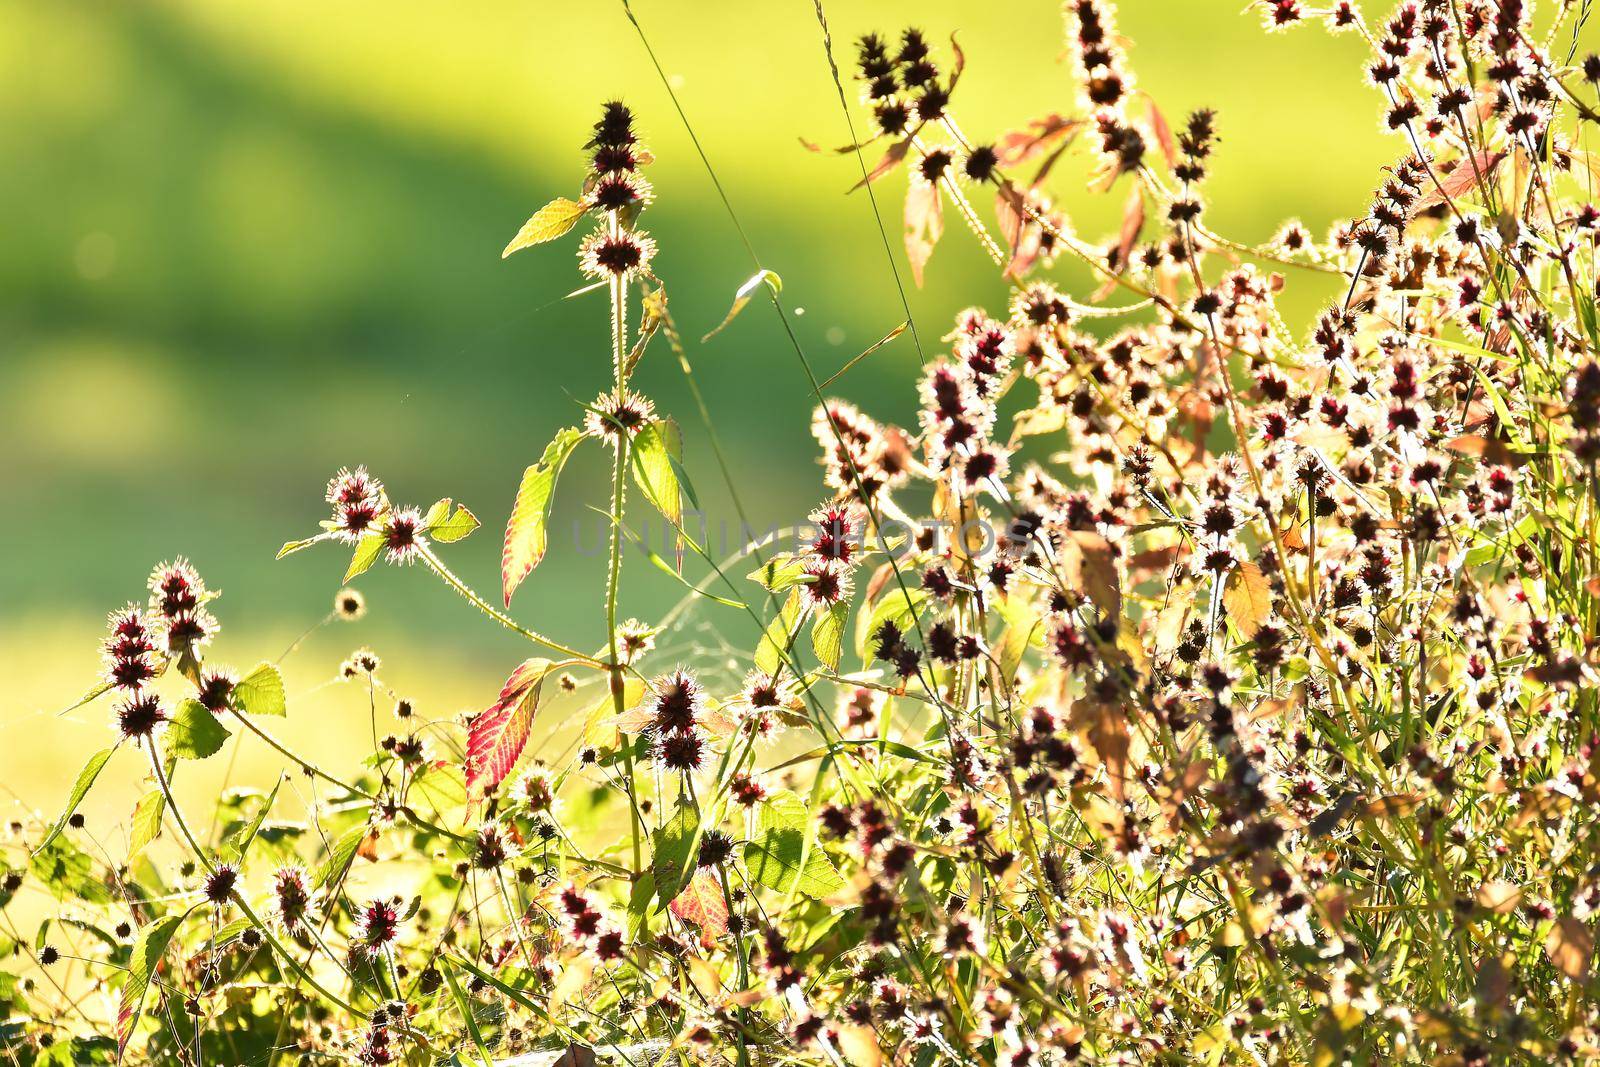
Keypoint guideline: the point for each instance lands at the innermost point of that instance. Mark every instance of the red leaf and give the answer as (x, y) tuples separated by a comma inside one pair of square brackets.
[(924, 225), (891, 159), (1022, 145), (702, 903), (1463, 177), (497, 735), (1163, 132)]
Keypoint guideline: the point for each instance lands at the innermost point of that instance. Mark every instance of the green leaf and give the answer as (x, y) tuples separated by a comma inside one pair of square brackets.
[(292, 547), (343, 853), (783, 857), (548, 223), (655, 450), (368, 549), (763, 277), (827, 633), (783, 571), (447, 527), (527, 536), (442, 785), (68, 872), (261, 691), (145, 824), (671, 860), (86, 777), (775, 642), (239, 842), (193, 732), (146, 959)]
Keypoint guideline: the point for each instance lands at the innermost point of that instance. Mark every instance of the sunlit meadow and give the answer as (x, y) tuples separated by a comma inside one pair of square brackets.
[(1024, 535)]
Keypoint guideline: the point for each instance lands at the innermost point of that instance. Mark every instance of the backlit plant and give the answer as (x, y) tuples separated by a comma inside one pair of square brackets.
[(1183, 686)]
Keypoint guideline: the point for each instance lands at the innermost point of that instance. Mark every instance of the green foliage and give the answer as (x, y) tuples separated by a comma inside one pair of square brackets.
[(193, 733)]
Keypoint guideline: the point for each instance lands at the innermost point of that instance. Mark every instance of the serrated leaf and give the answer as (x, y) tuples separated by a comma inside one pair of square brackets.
[(449, 527), (239, 842), (827, 633), (145, 823), (342, 855), (549, 222), (68, 872), (80, 788), (527, 534), (261, 691), (368, 549), (783, 571), (782, 856), (701, 902), (497, 735), (148, 950), (656, 451), (291, 547), (775, 642), (741, 298), (193, 732), (670, 859), (1248, 597)]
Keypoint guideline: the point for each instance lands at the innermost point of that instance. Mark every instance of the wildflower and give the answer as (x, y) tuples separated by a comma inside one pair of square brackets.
[(216, 690), (361, 661), (615, 127), (493, 849), (220, 883), (608, 417), (839, 531), (357, 499), (535, 790), (826, 584), (625, 254), (48, 955), (677, 704), (139, 715), (620, 190), (291, 893), (402, 535), (349, 605), (377, 927), (715, 848), (634, 639), (175, 589), (680, 751)]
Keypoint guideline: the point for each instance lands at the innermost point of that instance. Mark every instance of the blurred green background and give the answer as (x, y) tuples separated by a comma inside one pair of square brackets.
[(241, 245)]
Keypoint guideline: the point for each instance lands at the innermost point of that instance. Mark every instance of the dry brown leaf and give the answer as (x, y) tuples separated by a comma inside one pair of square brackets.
[(1091, 567), (1569, 946), (924, 219), (1105, 727), (1499, 896)]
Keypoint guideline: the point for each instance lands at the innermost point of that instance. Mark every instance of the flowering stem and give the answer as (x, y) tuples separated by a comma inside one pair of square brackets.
[(619, 358), (235, 895), (435, 564)]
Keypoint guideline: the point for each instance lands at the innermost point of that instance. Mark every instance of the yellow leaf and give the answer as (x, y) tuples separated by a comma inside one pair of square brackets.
[(548, 223), (1248, 598), (1499, 896), (859, 1046)]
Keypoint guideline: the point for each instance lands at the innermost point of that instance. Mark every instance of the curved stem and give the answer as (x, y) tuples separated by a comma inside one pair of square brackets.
[(435, 564)]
